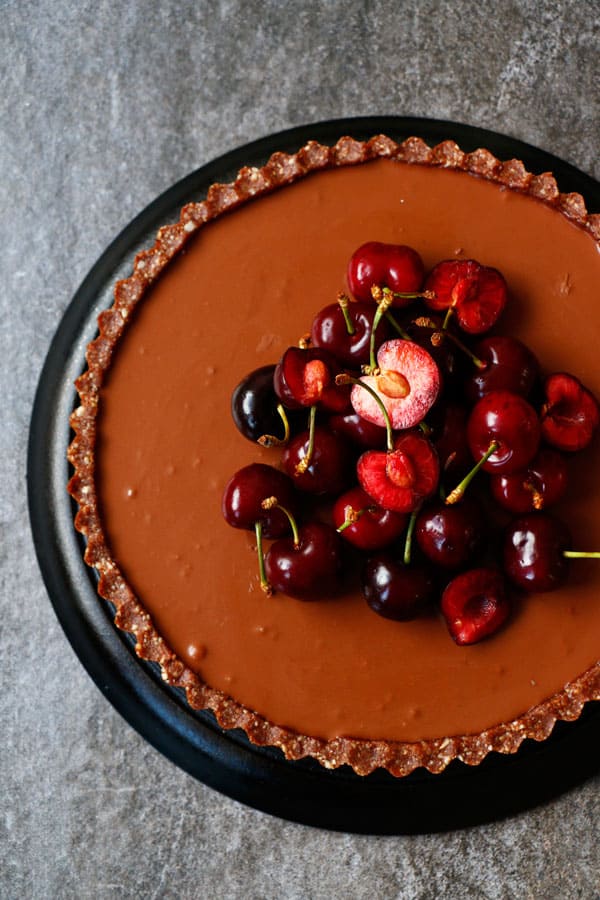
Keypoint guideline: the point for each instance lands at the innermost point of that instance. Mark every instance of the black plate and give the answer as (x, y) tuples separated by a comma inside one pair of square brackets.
[(301, 791)]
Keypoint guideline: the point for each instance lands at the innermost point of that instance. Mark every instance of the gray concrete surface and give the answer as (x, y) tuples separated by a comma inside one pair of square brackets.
[(103, 105)]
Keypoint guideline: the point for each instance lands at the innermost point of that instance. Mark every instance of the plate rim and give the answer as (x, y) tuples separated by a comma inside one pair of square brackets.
[(259, 777)]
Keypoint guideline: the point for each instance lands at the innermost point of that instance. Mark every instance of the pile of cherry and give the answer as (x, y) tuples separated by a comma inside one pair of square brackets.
[(410, 443)]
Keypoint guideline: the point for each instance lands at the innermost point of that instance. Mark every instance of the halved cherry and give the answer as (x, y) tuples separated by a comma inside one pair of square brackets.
[(407, 381), (476, 294), (365, 525), (475, 605), (403, 477), (395, 266), (306, 377), (570, 415)]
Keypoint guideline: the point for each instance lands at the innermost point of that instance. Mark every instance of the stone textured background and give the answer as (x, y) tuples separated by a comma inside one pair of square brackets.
[(103, 106)]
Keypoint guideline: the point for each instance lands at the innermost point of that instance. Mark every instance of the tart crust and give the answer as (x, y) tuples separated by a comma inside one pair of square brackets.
[(364, 756)]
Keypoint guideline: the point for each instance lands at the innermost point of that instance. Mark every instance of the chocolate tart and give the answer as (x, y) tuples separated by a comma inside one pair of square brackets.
[(223, 291)]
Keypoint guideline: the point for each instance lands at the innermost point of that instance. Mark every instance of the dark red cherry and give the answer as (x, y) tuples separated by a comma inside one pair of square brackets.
[(450, 438), (371, 528), (451, 536), (254, 407), (310, 569), (396, 591), (509, 365), (330, 331), (245, 492), (475, 605), (540, 485), (534, 548), (402, 478), (395, 266), (307, 378), (352, 427), (477, 294), (570, 415), (510, 421), (329, 471)]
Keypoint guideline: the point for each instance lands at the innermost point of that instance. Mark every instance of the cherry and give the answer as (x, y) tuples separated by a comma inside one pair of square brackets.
[(511, 422), (352, 427), (538, 486), (534, 552), (505, 364), (451, 536), (307, 566), (428, 333), (365, 525), (450, 439), (396, 591), (306, 377), (395, 266), (476, 294), (328, 470), (404, 476), (344, 329), (244, 493), (407, 381), (570, 415), (475, 605), (256, 410)]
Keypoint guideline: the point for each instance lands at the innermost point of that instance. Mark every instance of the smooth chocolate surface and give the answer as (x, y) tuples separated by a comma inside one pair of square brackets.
[(239, 294)]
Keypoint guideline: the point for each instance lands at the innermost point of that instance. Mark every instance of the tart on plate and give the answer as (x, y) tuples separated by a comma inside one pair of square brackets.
[(225, 291)]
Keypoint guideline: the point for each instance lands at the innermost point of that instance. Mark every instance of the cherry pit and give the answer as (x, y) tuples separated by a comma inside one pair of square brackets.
[(418, 452)]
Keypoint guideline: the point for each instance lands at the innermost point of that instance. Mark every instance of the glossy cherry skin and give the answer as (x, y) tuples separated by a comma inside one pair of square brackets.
[(375, 529), (571, 415), (307, 378), (244, 493), (254, 406), (330, 469), (329, 331), (310, 570), (450, 439), (395, 266), (509, 420), (361, 433), (540, 485), (509, 366), (451, 536), (475, 605), (396, 591), (533, 552)]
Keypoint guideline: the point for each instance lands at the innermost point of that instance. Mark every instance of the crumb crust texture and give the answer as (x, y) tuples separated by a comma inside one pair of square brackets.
[(364, 756)]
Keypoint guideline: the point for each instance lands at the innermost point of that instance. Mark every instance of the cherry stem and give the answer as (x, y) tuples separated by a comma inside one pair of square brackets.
[(269, 440), (273, 503), (305, 462), (397, 328), (264, 584), (384, 303), (459, 491), (439, 335), (581, 554), (352, 516), (350, 379), (409, 537), (447, 318), (343, 301)]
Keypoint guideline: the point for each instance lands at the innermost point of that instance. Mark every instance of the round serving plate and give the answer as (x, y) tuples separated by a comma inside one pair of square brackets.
[(261, 777)]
